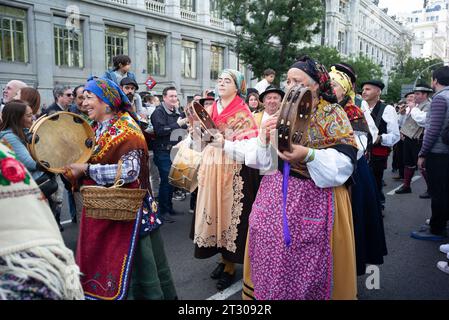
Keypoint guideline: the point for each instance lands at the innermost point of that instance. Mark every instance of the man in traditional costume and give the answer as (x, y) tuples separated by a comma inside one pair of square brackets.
[(412, 133), (271, 99), (386, 121)]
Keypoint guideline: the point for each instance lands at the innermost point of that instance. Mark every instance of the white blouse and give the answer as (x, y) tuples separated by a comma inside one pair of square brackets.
[(330, 168)]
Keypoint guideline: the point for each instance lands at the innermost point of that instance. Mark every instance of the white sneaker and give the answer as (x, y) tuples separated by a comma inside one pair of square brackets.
[(443, 266), (444, 248)]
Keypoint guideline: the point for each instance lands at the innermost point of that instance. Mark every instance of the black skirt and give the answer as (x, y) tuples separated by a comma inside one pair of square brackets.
[(370, 245)]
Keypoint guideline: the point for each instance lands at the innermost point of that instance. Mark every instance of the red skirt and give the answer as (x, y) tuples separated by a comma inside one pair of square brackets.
[(105, 254)]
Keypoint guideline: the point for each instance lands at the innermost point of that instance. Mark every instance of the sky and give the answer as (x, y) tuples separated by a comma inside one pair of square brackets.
[(395, 6)]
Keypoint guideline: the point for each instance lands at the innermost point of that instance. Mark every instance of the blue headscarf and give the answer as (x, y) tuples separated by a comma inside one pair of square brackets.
[(110, 93)]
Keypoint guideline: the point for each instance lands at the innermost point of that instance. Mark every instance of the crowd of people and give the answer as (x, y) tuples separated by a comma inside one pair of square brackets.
[(304, 223)]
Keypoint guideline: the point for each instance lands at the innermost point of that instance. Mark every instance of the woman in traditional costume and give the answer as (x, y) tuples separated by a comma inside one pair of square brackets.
[(301, 239), (226, 188), (34, 262), (119, 259), (369, 232)]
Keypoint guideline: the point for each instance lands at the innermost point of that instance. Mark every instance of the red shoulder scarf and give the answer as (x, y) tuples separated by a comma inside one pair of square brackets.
[(236, 121)]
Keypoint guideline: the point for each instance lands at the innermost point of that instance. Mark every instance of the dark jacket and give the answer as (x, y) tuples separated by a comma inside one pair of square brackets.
[(164, 124), (52, 109)]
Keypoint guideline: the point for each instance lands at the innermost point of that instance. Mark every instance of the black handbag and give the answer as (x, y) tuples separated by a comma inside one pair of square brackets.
[(47, 183)]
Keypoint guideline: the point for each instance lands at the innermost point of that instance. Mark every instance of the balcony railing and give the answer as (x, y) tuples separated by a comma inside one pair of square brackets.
[(122, 2), (188, 15), (217, 22), (155, 6)]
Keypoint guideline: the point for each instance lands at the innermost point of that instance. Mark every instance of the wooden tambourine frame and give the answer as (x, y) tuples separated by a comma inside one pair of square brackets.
[(54, 146), (201, 121), (294, 118)]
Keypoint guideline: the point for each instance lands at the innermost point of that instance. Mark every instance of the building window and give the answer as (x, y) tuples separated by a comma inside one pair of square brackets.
[(156, 54), (13, 35), (343, 7), (216, 9), (416, 20), (68, 45), (188, 59), (116, 40), (341, 42), (188, 5), (216, 65)]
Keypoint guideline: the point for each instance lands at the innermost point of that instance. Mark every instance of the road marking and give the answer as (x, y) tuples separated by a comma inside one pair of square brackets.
[(66, 222), (392, 192), (223, 295)]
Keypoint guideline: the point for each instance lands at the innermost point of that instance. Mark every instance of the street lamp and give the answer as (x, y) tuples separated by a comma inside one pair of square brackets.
[(238, 23), (422, 71)]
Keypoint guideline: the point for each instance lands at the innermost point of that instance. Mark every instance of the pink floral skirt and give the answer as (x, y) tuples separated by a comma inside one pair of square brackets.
[(302, 271)]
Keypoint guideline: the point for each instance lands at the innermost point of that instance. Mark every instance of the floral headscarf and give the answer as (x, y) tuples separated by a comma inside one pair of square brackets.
[(344, 81), (109, 92), (319, 74), (239, 80)]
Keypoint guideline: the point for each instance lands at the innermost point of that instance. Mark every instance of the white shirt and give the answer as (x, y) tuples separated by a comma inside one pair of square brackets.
[(369, 119), (262, 85), (264, 117), (330, 168), (392, 136), (419, 117)]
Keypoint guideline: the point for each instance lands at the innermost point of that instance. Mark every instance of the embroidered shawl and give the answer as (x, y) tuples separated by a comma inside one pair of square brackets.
[(329, 127), (220, 189)]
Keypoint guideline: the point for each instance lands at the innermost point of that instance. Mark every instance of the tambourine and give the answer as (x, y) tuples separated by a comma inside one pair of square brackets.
[(60, 139), (294, 118), (201, 121)]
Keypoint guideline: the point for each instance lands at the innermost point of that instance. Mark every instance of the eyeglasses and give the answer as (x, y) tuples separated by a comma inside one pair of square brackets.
[(69, 94)]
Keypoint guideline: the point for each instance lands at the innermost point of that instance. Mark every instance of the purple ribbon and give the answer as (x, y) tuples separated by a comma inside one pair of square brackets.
[(287, 238)]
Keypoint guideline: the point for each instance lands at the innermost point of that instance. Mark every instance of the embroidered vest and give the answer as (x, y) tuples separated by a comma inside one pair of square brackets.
[(377, 113), (410, 128)]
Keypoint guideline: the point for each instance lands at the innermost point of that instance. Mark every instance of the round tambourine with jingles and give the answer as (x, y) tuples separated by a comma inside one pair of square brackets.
[(293, 121), (201, 121), (60, 139)]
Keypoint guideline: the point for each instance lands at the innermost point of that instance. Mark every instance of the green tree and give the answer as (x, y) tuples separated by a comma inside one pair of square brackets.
[(365, 69), (408, 71), (271, 30)]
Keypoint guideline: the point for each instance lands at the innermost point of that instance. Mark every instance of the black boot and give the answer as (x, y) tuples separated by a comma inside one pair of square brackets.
[(403, 190)]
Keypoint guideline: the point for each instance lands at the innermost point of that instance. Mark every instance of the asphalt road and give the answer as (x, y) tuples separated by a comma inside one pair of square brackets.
[(409, 271)]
